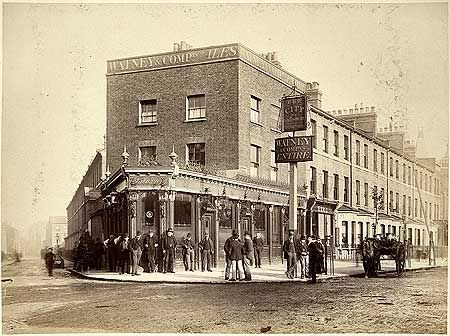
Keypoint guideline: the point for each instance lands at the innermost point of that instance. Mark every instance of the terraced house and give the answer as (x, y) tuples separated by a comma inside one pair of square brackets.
[(190, 145)]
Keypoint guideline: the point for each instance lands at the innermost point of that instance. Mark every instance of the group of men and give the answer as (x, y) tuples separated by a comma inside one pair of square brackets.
[(308, 256), (239, 256), (123, 252)]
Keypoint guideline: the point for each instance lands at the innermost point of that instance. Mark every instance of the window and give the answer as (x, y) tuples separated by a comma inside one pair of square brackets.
[(336, 187), (375, 158), (336, 143), (421, 180), (273, 166), (397, 203), (391, 200), (404, 173), (182, 210), (346, 186), (366, 194), (391, 167), (255, 113), (325, 139), (147, 154), (314, 133), (346, 147), (325, 184), (358, 185), (382, 163), (426, 182), (366, 156), (415, 207), (254, 160), (148, 110), (396, 170), (404, 204), (358, 151), (196, 153), (196, 107), (409, 205), (275, 118), (313, 184), (409, 175), (382, 198)]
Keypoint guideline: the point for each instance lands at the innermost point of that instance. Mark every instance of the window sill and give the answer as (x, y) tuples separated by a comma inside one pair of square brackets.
[(194, 120), (256, 123), (147, 124), (276, 130)]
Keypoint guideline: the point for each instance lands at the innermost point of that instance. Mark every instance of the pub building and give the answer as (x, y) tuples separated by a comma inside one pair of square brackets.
[(190, 145)]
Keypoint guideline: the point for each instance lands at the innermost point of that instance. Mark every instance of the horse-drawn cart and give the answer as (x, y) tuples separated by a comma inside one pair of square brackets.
[(373, 248)]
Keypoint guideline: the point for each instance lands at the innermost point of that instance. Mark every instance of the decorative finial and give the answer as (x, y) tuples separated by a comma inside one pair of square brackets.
[(173, 156), (125, 156), (107, 173)]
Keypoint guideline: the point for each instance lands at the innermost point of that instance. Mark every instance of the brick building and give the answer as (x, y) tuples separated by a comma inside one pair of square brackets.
[(190, 141), (56, 231), (85, 210)]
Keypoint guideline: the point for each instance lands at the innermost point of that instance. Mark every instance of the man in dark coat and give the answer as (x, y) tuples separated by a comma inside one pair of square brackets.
[(99, 249), (136, 246), (188, 253), (207, 251), (226, 249), (247, 254), (111, 253), (124, 253), (168, 248), (50, 261), (235, 255), (313, 258), (290, 255), (258, 244), (150, 245), (301, 249)]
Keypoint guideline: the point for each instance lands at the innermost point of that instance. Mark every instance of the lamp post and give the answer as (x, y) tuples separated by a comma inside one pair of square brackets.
[(378, 204)]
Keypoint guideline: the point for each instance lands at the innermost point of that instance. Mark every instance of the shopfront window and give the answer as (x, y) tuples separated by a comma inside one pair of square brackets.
[(182, 210)]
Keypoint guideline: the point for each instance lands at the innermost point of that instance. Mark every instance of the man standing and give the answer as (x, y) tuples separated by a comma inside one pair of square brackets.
[(227, 250), (99, 249), (247, 256), (150, 245), (301, 250), (313, 258), (206, 250), (124, 254), (136, 246), (235, 255), (111, 253), (258, 244), (168, 248), (188, 253), (50, 261), (289, 255)]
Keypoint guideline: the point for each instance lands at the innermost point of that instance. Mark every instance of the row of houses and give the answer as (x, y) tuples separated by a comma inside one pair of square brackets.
[(190, 145)]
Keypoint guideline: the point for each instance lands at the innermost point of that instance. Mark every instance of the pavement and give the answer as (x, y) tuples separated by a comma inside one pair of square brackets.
[(267, 274)]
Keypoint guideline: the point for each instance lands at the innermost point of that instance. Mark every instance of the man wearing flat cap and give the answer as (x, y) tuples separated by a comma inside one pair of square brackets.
[(168, 248)]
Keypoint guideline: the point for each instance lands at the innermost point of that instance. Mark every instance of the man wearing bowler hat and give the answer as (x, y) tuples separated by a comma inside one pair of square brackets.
[(168, 248), (290, 255)]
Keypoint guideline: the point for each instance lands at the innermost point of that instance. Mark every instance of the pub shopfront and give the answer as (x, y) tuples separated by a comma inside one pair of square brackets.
[(155, 198)]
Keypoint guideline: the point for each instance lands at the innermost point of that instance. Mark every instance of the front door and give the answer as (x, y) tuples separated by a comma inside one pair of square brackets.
[(245, 225), (207, 220)]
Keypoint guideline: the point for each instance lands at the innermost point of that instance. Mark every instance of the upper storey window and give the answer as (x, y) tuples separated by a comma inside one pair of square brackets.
[(255, 112), (148, 111), (196, 107)]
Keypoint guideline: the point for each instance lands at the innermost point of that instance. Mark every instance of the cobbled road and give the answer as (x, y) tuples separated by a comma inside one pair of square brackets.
[(34, 303)]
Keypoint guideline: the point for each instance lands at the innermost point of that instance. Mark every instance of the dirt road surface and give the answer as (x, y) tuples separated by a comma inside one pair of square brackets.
[(35, 303)]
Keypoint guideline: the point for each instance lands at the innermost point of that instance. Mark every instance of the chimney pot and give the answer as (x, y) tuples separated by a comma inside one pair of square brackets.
[(183, 45), (344, 112), (350, 111), (176, 47), (275, 56), (372, 109)]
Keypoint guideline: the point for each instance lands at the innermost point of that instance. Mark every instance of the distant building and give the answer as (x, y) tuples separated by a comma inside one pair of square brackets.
[(85, 203), (10, 241), (56, 231)]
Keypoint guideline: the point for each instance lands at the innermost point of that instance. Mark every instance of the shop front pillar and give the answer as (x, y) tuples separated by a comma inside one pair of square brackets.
[(171, 210), (238, 218), (132, 213), (269, 234), (216, 234), (198, 233)]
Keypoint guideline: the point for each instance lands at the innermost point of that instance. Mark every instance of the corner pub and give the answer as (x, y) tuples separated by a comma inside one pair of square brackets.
[(190, 145)]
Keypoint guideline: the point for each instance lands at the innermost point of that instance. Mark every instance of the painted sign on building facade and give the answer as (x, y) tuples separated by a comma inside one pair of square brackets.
[(294, 149), (294, 113)]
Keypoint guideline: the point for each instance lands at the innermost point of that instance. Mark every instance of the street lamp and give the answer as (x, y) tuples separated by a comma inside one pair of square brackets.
[(378, 204)]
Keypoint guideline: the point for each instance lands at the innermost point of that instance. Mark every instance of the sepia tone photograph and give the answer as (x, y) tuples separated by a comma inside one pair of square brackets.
[(224, 168)]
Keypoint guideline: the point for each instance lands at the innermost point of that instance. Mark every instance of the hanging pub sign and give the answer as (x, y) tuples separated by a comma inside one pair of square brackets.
[(294, 149), (294, 110)]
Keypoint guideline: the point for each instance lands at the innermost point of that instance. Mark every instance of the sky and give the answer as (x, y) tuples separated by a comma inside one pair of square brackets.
[(392, 56)]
